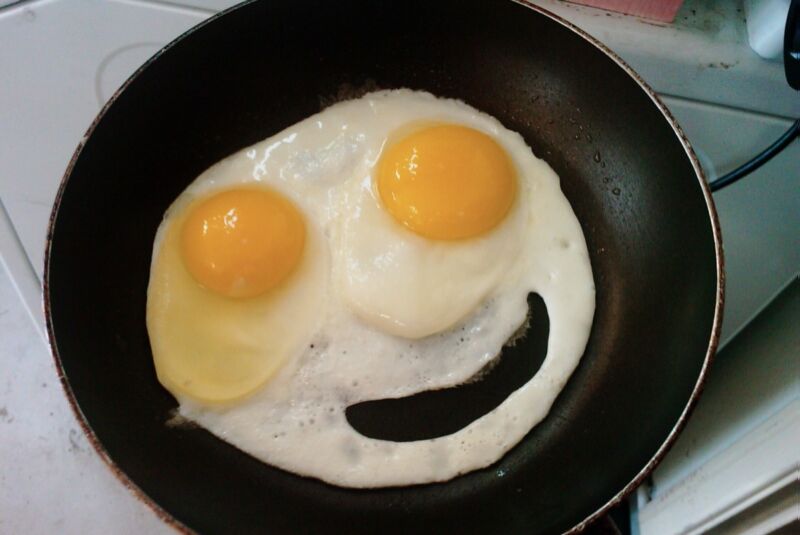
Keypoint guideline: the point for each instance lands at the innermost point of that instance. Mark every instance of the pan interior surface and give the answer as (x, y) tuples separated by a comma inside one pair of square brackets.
[(266, 65)]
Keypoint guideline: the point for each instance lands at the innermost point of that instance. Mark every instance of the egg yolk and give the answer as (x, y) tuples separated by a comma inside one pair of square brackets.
[(242, 242), (446, 182)]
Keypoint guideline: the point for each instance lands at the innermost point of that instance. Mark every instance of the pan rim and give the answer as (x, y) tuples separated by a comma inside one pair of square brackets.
[(166, 517), (646, 470), (716, 325)]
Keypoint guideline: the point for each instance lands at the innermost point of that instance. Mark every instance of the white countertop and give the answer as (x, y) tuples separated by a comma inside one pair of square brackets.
[(68, 56)]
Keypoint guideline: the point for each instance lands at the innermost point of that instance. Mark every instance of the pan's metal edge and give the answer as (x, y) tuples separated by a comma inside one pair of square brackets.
[(123, 478), (173, 522), (714, 337)]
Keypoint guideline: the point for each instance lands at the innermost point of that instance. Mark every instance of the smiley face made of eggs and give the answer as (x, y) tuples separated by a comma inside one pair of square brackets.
[(382, 247)]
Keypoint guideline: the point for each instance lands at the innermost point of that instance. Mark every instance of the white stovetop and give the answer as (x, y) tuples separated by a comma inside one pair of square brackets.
[(68, 56)]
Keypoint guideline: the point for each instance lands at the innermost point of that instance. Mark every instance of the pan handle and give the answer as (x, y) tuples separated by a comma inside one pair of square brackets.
[(791, 65), (758, 160)]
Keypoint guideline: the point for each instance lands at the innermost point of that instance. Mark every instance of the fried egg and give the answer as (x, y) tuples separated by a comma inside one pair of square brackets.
[(380, 248), (225, 307)]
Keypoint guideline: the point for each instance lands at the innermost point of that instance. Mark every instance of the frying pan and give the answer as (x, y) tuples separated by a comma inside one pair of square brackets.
[(628, 171)]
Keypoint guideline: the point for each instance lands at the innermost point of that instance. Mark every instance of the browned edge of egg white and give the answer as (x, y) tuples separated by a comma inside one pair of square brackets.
[(713, 342)]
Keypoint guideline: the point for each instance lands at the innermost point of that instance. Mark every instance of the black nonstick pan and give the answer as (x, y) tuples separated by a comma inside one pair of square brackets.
[(625, 166)]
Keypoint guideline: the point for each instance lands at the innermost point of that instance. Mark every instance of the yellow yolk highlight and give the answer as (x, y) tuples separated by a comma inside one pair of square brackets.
[(446, 182), (242, 242)]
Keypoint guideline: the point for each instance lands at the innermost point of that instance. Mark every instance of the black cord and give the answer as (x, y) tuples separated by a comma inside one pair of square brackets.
[(759, 160)]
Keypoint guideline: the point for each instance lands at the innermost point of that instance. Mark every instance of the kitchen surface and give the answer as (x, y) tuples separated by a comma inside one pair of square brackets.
[(734, 469)]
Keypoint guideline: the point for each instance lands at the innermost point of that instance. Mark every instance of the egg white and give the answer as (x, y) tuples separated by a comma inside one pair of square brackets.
[(297, 420)]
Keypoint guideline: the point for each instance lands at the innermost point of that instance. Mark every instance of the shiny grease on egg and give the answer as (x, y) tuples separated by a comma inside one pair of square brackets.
[(361, 340)]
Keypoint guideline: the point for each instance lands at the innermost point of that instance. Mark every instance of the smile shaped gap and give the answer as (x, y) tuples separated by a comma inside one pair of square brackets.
[(437, 413)]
